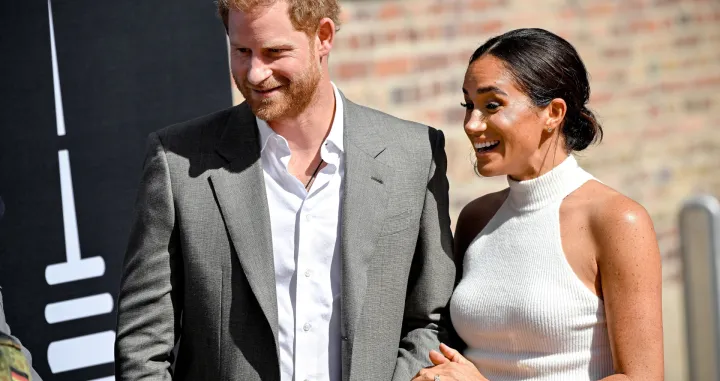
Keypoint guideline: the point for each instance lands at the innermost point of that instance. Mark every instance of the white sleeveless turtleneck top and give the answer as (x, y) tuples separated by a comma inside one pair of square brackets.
[(520, 308)]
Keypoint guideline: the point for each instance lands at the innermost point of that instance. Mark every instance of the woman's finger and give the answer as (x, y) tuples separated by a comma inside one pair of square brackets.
[(438, 358), (452, 354)]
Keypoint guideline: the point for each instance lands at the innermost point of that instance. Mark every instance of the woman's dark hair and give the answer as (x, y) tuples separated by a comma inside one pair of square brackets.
[(546, 67)]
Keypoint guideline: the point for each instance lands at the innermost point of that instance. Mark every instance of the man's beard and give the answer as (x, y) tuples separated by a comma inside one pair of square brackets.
[(292, 98)]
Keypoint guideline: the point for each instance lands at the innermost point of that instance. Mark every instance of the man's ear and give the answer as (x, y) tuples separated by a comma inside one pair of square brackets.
[(325, 37)]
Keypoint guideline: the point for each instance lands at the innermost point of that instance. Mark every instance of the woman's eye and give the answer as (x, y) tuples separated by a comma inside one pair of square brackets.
[(468, 106), (492, 105)]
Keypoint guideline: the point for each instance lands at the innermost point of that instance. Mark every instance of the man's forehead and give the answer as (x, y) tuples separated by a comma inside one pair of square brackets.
[(266, 19), (265, 31), (260, 10), (270, 36)]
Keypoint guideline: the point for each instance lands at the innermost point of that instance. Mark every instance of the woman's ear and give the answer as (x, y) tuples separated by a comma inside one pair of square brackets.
[(555, 114)]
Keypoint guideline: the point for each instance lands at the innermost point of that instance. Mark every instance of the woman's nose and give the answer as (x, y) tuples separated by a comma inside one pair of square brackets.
[(476, 123)]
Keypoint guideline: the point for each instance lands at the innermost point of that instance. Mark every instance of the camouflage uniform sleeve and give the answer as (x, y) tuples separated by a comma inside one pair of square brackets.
[(15, 360)]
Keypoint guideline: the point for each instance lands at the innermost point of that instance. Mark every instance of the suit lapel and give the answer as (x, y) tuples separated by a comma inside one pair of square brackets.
[(240, 191), (365, 199)]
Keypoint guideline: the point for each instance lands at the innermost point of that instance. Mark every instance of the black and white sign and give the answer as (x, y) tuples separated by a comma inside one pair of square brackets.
[(83, 82)]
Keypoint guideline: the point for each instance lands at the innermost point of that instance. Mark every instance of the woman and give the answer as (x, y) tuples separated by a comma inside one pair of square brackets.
[(561, 276)]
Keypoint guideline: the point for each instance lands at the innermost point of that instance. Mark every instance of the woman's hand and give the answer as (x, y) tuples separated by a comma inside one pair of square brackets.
[(450, 365)]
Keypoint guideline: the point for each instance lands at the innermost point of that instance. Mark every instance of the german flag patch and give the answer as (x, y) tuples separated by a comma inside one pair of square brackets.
[(16, 375)]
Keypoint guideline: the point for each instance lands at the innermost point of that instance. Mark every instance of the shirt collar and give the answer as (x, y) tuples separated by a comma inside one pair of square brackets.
[(336, 129), (338, 125), (265, 133)]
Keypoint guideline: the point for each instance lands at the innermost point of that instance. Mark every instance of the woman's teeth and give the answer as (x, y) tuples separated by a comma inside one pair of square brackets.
[(486, 146)]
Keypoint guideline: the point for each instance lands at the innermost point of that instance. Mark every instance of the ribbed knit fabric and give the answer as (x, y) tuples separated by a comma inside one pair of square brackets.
[(520, 307)]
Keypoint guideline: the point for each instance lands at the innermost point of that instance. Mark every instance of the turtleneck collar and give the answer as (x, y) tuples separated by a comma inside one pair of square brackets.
[(551, 187)]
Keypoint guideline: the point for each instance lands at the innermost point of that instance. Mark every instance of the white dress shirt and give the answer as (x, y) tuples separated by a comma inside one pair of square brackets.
[(306, 248)]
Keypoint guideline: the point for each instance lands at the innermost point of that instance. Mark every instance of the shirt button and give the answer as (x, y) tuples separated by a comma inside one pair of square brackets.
[(307, 327), (308, 273), (308, 217)]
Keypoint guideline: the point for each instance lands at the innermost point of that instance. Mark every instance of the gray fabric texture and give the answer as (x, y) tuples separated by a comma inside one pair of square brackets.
[(199, 263)]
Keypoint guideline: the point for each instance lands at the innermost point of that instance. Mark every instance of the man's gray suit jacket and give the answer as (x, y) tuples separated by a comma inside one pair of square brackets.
[(199, 263)]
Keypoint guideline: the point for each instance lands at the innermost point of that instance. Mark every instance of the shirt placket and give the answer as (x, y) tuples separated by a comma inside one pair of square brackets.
[(309, 291), (306, 324)]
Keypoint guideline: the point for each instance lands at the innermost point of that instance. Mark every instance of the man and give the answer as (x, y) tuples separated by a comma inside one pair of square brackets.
[(15, 360), (296, 236)]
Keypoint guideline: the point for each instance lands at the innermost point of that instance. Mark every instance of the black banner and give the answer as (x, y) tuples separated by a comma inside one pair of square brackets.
[(82, 83)]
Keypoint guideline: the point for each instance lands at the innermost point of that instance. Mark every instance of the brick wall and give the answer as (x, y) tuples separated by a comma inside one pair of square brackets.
[(655, 78)]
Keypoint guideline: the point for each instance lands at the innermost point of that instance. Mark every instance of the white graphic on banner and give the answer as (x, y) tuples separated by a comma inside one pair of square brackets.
[(81, 352), (93, 349), (59, 113), (75, 268), (78, 308)]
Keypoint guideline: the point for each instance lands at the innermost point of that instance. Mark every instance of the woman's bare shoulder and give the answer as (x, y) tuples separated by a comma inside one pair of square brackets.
[(615, 219)]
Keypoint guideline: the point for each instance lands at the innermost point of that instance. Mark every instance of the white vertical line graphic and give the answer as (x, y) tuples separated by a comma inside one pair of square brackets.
[(72, 240), (59, 113), (75, 268)]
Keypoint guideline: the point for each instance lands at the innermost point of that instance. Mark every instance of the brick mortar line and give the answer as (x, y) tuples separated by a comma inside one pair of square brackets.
[(545, 18)]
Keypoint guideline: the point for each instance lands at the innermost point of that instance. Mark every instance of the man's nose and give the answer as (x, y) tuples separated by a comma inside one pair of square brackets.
[(258, 71)]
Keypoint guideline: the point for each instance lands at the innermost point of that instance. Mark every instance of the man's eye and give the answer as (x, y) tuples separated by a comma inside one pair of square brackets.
[(243, 50), (275, 51)]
